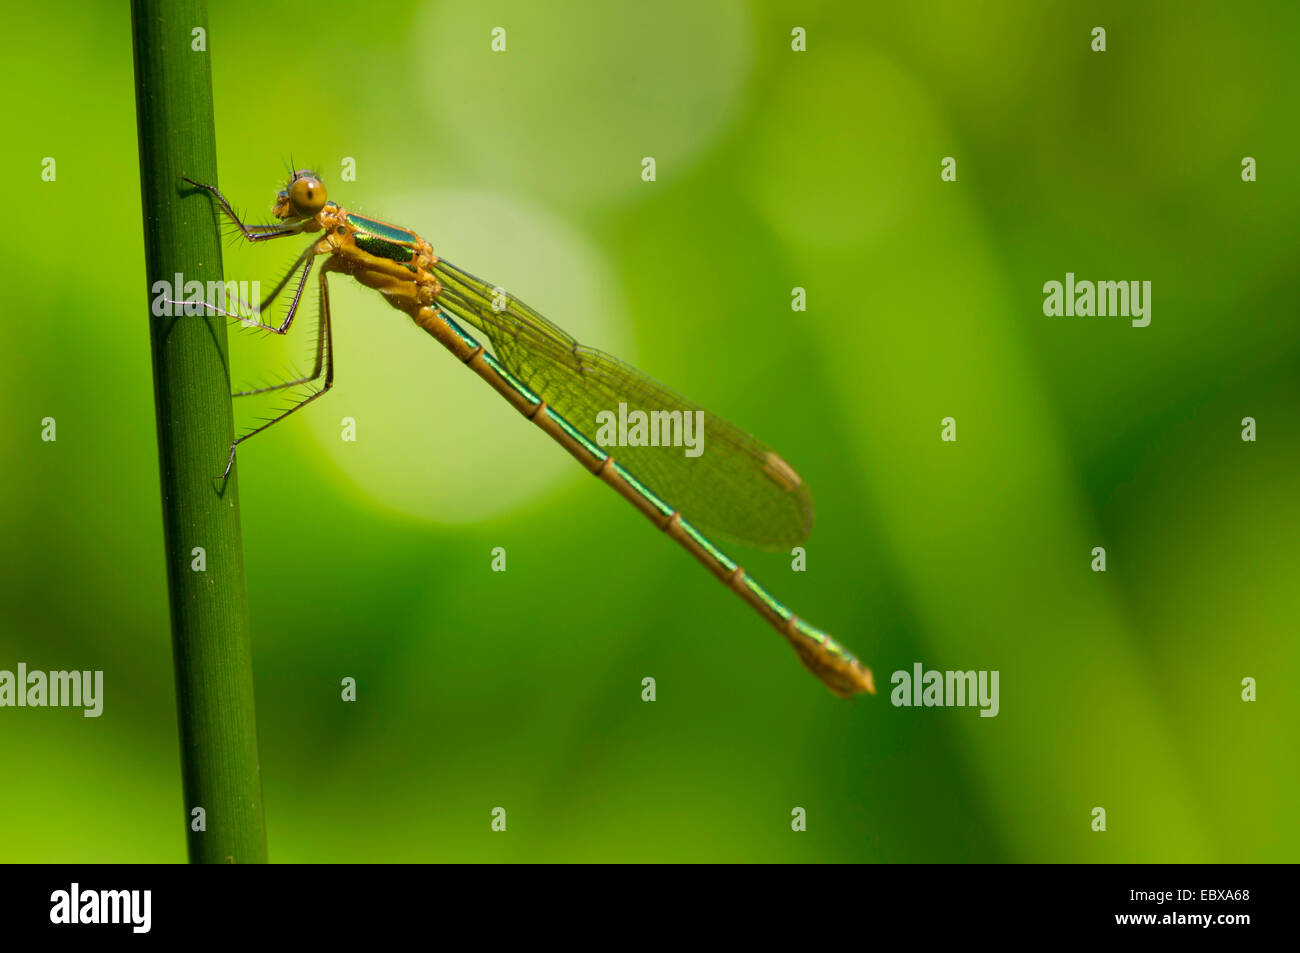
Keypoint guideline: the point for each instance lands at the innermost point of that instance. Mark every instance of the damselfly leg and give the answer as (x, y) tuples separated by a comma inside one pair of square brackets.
[(254, 233), (302, 267), (260, 233), (324, 359)]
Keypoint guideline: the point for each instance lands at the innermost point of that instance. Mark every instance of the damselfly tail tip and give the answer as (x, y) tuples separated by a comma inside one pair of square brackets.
[(844, 675), (856, 681)]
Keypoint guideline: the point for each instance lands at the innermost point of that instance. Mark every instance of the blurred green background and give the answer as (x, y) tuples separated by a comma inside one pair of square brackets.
[(776, 169)]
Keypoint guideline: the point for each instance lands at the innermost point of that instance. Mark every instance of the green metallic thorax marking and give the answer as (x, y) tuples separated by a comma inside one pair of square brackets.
[(383, 240), (372, 226)]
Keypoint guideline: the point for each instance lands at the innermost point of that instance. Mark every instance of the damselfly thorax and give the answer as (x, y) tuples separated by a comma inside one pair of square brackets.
[(394, 261)]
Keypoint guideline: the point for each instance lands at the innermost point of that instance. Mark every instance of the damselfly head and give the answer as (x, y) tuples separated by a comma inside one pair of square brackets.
[(303, 197)]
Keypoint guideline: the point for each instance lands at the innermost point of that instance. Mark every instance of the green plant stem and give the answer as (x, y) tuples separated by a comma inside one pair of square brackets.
[(209, 615)]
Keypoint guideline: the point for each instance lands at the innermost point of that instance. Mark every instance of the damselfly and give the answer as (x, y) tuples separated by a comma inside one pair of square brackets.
[(734, 487)]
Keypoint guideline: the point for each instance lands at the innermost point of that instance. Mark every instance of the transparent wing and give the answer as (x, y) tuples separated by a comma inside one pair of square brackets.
[(736, 487)]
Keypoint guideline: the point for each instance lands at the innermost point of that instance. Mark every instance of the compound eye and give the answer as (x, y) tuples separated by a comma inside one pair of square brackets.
[(307, 196)]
